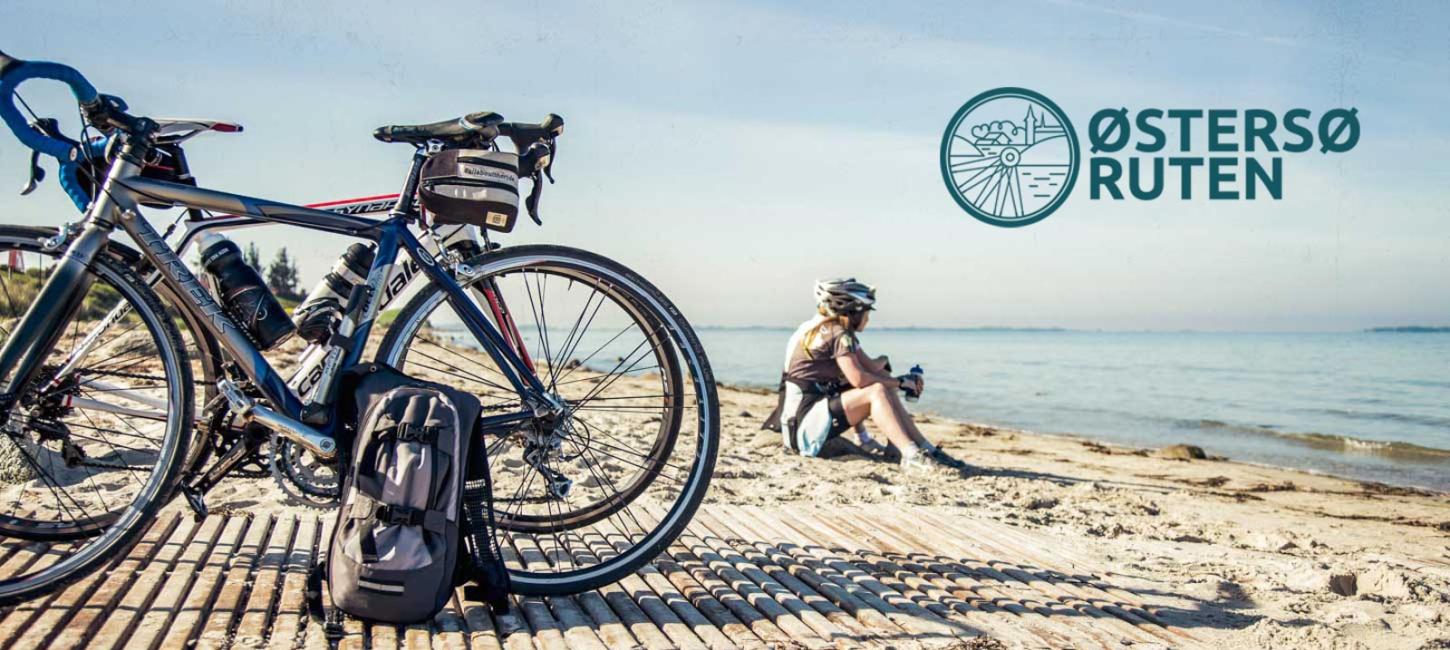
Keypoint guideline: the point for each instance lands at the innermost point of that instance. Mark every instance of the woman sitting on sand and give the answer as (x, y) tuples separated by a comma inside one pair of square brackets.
[(830, 385)]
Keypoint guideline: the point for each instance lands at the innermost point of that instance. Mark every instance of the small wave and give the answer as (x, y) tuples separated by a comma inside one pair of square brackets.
[(1387, 448), (1407, 418), (1392, 449)]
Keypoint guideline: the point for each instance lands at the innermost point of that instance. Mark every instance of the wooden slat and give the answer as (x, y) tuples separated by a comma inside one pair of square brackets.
[(164, 608), (482, 635), (700, 625), (1048, 612), (78, 629), (1120, 602), (291, 600), (116, 629), (792, 600), (23, 561), (256, 620), (833, 577), (563, 613), (720, 589), (738, 577), (820, 592), (1084, 597), (622, 622), (230, 600), (962, 595), (187, 622), (912, 605), (775, 622), (974, 602)]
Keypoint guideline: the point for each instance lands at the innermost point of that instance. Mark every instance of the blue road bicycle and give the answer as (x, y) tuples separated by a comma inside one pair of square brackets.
[(601, 418)]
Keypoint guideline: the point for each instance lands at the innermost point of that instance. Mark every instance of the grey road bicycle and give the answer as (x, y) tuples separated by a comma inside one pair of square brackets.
[(601, 418)]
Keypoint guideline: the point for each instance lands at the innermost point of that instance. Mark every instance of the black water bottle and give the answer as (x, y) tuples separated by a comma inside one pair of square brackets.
[(243, 292)]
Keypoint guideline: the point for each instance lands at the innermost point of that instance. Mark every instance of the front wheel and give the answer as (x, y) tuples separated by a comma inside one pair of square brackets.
[(589, 500), (93, 444)]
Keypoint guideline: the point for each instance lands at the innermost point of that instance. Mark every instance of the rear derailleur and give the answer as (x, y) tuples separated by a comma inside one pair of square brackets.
[(541, 443)]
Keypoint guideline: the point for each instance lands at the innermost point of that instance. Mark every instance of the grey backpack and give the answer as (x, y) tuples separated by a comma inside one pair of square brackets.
[(395, 547)]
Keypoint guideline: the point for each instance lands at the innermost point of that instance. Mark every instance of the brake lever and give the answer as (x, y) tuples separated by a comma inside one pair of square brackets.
[(532, 202), (49, 127), (37, 174)]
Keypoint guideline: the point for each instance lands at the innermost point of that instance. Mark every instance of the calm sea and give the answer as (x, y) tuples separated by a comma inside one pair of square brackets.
[(1372, 406)]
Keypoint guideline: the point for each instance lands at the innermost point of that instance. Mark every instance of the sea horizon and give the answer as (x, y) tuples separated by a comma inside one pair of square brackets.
[(1361, 404)]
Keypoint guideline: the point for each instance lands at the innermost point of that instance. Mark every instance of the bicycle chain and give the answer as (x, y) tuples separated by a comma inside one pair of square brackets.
[(124, 375)]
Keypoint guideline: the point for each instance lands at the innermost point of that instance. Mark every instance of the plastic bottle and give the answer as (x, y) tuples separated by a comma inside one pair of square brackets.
[(243, 292), (320, 311), (912, 395)]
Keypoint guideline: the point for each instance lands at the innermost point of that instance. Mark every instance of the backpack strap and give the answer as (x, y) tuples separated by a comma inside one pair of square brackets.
[(330, 618), (375, 513)]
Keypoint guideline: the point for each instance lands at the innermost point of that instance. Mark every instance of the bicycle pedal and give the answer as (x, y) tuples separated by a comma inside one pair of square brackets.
[(196, 501)]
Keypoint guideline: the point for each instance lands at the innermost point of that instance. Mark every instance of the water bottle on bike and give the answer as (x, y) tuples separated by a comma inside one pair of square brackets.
[(101, 395)]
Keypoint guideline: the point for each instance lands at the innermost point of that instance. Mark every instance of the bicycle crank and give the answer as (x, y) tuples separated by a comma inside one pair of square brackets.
[(250, 411)]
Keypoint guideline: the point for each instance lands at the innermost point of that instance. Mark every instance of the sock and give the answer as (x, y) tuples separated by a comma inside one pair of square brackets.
[(928, 447), (863, 434), (909, 452)]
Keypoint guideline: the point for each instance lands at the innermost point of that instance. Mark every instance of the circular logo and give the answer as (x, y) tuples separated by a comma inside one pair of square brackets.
[(1009, 157)]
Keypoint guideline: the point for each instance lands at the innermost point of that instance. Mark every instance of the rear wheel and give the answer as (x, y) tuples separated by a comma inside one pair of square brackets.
[(591, 497), (94, 444)]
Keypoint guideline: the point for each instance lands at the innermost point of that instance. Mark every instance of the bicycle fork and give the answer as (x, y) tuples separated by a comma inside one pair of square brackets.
[(54, 306)]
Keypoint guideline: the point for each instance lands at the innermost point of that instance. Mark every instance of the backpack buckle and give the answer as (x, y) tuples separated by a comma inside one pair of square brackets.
[(399, 515), (409, 432), (332, 628)]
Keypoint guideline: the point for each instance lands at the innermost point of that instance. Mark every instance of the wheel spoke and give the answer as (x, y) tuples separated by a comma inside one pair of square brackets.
[(84, 463), (614, 462)]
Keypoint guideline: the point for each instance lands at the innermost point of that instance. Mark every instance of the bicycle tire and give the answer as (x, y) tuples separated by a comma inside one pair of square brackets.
[(205, 352), (653, 463), (114, 533), (679, 513)]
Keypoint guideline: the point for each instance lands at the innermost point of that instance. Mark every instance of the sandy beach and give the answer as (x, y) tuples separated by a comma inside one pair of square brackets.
[(1250, 556), (1257, 556), (1246, 555)]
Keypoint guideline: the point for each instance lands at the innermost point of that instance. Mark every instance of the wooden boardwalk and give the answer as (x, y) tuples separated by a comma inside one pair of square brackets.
[(741, 577)]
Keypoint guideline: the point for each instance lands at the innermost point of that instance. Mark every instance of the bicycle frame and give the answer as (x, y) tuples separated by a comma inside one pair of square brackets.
[(118, 204)]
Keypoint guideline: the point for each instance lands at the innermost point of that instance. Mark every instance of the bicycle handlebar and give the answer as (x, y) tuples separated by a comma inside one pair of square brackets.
[(14, 72), (524, 134)]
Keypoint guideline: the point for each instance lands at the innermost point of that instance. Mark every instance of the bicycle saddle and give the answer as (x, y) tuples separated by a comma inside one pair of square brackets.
[(463, 130), (176, 130)]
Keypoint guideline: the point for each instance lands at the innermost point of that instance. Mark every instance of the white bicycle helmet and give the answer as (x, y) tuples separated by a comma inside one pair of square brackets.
[(844, 296)]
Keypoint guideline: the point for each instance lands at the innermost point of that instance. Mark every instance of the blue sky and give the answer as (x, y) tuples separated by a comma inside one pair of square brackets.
[(734, 153)]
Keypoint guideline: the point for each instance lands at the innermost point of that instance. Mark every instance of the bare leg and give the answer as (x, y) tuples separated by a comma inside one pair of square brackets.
[(884, 407)]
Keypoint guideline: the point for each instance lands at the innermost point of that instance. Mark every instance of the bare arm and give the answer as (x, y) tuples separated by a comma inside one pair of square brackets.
[(879, 364), (863, 371)]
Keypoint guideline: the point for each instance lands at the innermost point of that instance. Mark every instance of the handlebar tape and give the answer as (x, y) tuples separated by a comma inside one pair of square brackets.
[(70, 181), (14, 72)]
